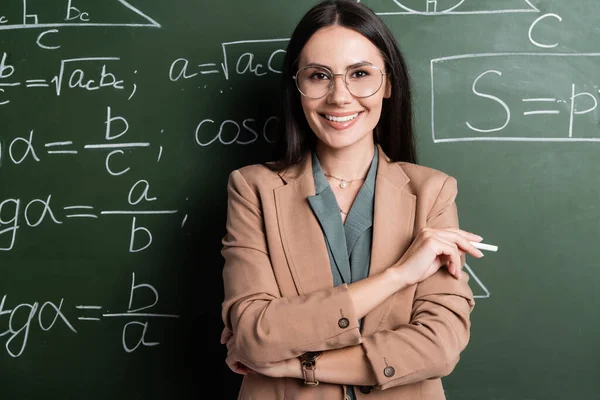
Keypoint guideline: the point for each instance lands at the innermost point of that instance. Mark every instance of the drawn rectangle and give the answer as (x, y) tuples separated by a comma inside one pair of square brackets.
[(515, 97)]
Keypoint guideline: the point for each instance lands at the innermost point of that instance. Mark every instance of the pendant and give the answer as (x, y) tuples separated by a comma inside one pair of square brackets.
[(344, 184)]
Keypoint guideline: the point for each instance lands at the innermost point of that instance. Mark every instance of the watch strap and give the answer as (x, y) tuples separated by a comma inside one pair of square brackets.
[(310, 376), (308, 361)]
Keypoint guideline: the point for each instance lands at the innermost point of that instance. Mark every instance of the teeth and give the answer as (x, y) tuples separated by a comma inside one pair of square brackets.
[(341, 119)]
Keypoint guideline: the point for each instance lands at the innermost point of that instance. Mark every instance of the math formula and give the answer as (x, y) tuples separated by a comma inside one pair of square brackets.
[(24, 320), (124, 132)]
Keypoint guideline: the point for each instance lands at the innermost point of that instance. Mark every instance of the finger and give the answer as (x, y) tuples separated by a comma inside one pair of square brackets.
[(245, 369), (456, 265), (446, 263), (450, 256), (461, 241), (225, 335), (241, 369), (453, 267), (444, 245), (453, 254), (235, 365), (469, 235), (231, 363)]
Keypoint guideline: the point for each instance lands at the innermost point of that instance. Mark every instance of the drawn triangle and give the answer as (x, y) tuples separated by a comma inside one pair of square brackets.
[(479, 289), (449, 7), (113, 12), (19, 14)]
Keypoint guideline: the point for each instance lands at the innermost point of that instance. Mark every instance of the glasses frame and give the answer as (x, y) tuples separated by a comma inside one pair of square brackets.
[(331, 84)]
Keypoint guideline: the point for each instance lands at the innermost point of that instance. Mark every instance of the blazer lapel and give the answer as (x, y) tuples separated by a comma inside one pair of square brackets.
[(301, 236), (392, 227)]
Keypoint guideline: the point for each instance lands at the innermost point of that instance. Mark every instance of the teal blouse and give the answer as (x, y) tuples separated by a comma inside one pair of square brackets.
[(349, 243)]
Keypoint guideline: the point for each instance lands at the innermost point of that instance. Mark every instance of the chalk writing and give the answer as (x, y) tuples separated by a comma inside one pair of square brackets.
[(20, 319), (71, 75), (577, 105), (39, 210), (27, 17), (240, 58), (450, 7), (23, 148)]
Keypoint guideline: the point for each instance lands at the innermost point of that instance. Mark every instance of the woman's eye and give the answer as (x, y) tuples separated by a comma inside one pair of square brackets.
[(360, 74), (319, 76)]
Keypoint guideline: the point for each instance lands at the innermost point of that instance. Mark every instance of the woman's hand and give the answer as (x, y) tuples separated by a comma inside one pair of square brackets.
[(232, 361), (286, 368), (434, 248), (282, 369)]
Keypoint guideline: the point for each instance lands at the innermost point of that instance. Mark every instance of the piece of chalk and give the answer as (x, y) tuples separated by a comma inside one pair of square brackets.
[(483, 246)]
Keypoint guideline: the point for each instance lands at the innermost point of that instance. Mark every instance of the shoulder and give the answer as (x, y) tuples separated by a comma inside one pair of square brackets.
[(257, 171), (255, 177), (427, 179), (435, 191)]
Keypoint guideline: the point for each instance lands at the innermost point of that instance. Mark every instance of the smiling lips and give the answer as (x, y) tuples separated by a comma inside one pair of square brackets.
[(341, 121)]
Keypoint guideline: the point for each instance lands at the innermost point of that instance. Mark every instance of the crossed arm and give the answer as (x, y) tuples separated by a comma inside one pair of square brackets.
[(435, 255)]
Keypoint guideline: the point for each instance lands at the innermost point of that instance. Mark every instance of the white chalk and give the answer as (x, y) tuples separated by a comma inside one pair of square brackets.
[(483, 246)]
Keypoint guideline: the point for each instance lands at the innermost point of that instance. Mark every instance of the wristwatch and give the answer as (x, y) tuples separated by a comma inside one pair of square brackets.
[(308, 361)]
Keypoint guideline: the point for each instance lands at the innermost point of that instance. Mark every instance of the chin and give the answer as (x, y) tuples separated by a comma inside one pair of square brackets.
[(348, 141)]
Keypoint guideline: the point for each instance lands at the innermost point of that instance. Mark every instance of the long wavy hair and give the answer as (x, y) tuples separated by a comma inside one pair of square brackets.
[(394, 131)]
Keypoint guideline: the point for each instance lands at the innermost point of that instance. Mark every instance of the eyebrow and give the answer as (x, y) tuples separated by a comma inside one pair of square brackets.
[(329, 68)]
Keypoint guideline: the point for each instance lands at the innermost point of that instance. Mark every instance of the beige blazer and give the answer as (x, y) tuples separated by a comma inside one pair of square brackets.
[(279, 296)]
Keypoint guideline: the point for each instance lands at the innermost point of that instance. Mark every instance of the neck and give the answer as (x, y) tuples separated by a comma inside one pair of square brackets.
[(348, 163)]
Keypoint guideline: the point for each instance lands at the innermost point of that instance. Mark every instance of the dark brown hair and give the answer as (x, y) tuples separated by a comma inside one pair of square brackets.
[(394, 131)]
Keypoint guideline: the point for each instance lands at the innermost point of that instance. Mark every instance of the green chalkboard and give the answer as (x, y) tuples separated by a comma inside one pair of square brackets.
[(121, 121)]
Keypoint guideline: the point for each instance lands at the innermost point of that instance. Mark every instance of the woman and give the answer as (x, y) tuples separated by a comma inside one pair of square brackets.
[(343, 258)]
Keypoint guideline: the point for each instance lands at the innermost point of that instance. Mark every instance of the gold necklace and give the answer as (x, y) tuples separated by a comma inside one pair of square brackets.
[(343, 182)]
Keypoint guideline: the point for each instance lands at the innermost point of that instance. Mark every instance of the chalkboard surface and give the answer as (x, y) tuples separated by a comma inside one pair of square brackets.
[(121, 120)]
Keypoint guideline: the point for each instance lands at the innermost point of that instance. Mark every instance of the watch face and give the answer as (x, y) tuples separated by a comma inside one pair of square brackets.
[(311, 355)]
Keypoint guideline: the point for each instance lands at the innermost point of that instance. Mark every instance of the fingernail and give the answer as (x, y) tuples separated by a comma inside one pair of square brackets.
[(481, 254)]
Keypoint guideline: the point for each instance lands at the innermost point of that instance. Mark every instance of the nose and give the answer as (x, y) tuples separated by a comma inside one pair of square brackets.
[(339, 93)]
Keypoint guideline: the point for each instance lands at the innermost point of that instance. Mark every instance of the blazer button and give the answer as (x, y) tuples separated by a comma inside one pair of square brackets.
[(343, 323), (366, 389), (389, 371)]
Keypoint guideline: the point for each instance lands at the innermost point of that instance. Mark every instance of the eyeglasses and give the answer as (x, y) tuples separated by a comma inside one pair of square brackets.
[(363, 80)]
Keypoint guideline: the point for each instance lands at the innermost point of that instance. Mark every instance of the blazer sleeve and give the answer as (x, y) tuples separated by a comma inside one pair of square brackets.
[(268, 327), (430, 345)]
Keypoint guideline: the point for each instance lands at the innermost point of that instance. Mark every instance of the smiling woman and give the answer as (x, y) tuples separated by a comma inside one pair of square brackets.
[(342, 112), (343, 257)]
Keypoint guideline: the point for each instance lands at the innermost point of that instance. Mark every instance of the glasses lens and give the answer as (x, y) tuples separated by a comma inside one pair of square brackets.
[(364, 80), (313, 82)]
